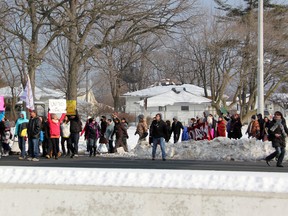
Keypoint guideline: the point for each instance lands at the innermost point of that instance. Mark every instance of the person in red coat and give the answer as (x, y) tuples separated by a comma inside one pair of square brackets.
[(54, 125), (221, 127)]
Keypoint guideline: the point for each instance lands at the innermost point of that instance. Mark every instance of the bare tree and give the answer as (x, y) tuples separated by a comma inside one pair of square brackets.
[(27, 21), (90, 26)]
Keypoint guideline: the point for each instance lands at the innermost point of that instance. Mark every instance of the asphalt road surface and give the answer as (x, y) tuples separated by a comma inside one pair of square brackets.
[(129, 163)]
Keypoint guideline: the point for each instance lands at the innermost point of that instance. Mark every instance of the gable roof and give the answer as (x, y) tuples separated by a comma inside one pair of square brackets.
[(157, 90), (172, 97)]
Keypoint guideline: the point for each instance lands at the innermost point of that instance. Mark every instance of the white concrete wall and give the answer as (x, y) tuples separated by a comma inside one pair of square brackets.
[(46, 200)]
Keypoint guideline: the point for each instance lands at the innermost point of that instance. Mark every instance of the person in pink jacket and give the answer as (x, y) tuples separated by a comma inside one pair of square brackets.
[(54, 125)]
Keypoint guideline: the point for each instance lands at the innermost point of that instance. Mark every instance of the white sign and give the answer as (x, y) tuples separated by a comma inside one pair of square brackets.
[(57, 105)]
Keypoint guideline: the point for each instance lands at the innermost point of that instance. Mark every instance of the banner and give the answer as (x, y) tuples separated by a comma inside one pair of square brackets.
[(57, 105), (199, 132), (71, 107), (2, 104), (27, 95)]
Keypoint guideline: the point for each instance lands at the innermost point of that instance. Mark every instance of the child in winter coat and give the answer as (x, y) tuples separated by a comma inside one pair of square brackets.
[(54, 125)]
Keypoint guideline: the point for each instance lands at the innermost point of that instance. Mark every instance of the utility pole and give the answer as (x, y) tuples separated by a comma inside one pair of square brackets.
[(260, 74)]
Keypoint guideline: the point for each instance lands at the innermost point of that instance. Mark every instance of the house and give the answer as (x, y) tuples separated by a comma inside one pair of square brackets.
[(42, 96), (184, 101)]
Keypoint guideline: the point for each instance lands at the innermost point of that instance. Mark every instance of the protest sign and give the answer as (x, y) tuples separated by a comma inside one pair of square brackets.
[(57, 105), (71, 107), (2, 104)]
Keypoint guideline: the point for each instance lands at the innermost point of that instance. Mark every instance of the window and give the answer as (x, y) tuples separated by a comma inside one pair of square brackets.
[(161, 108), (184, 108)]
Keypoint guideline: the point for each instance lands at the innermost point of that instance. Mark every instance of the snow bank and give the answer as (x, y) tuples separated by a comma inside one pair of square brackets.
[(177, 179)]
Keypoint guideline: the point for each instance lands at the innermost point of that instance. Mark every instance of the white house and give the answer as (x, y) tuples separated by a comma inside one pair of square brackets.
[(184, 101)]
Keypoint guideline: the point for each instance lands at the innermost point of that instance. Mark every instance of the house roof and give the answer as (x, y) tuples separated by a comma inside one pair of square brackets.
[(173, 97), (157, 90)]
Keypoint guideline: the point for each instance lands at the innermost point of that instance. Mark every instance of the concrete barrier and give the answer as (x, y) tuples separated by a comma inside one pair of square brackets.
[(70, 200)]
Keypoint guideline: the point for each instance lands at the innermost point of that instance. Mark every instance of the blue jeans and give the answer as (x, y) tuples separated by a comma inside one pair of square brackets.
[(22, 146), (157, 141), (34, 147), (74, 142)]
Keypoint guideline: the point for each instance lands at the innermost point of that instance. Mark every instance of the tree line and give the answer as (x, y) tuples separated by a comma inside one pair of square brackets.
[(127, 45)]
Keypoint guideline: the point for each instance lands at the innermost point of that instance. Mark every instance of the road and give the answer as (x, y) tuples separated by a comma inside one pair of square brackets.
[(129, 163)]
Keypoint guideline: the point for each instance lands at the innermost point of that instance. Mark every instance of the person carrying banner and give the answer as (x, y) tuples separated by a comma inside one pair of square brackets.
[(54, 125)]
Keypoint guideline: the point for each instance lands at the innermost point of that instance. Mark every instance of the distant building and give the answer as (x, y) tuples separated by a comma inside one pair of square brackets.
[(184, 101)]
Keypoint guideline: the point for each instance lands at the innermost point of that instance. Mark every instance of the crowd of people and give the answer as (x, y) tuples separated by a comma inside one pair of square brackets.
[(46, 133), (111, 133)]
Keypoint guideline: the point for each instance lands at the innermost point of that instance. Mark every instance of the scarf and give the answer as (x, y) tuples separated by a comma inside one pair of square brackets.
[(277, 124)]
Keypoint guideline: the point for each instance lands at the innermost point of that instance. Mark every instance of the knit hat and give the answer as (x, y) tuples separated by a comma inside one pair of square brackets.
[(141, 116), (253, 117)]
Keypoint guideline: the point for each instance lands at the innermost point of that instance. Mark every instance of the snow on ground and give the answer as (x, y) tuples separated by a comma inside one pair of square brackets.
[(219, 149), (177, 179)]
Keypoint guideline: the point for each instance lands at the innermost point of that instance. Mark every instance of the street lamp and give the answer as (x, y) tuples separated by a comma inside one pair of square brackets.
[(260, 71)]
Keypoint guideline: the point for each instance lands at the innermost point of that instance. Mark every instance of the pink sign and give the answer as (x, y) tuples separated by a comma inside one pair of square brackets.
[(2, 108)]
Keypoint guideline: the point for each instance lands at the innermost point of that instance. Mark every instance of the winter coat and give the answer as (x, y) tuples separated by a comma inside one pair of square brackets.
[(221, 129), (109, 131), (235, 129), (34, 128), (103, 126), (92, 131), (65, 129), (120, 130), (21, 124), (159, 129), (253, 129), (141, 128), (55, 125), (2, 115), (75, 124), (277, 141), (176, 127)]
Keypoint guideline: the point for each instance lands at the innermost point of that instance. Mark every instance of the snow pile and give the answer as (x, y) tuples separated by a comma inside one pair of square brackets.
[(179, 179), (219, 149)]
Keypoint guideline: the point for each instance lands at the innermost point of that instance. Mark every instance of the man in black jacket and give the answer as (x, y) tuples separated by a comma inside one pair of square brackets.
[(75, 129), (277, 133), (176, 129), (159, 132), (33, 131)]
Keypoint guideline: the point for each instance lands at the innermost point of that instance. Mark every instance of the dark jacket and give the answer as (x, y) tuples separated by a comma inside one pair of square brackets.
[(176, 127), (34, 128), (159, 129), (277, 141), (120, 130), (235, 129), (75, 124)]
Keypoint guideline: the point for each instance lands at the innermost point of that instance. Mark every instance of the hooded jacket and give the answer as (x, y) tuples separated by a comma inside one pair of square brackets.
[(21, 124)]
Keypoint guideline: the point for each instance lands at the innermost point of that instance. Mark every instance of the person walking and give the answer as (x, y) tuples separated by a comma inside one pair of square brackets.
[(221, 127), (21, 133), (176, 129), (253, 129), (121, 134), (159, 134), (33, 131), (277, 133), (142, 128), (109, 135), (91, 135), (236, 126), (54, 125), (75, 129), (65, 136)]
